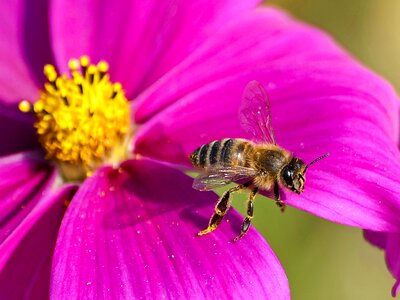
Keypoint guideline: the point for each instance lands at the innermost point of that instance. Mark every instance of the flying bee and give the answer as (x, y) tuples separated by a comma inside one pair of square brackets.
[(261, 164)]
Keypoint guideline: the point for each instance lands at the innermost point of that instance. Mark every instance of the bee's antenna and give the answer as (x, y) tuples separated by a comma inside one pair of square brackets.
[(315, 160)]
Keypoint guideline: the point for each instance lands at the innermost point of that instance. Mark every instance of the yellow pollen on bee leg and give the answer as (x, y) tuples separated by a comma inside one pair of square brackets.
[(207, 230), (82, 118)]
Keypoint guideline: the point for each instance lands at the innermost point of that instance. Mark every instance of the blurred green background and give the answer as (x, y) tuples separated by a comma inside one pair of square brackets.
[(369, 29), (325, 260)]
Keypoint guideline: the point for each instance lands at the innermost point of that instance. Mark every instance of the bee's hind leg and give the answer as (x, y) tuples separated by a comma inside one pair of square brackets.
[(250, 214), (278, 200), (221, 208)]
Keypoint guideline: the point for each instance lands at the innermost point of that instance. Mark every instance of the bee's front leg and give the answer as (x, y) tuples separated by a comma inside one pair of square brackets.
[(278, 200), (250, 214)]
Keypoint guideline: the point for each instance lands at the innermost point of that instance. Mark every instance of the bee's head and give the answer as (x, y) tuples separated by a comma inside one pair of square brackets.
[(293, 175)]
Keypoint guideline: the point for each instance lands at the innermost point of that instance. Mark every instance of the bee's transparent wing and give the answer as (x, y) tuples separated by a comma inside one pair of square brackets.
[(215, 177), (255, 113)]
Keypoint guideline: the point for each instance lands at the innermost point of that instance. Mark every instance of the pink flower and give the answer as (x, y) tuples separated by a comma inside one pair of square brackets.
[(129, 231)]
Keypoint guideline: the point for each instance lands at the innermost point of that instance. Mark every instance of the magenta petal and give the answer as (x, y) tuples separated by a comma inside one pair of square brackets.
[(131, 233), (16, 131), (140, 39), (25, 260), (320, 102), (390, 242), (378, 239), (250, 41), (393, 259), (24, 179), (24, 49)]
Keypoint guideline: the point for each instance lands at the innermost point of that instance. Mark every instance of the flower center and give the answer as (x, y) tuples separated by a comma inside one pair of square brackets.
[(82, 119)]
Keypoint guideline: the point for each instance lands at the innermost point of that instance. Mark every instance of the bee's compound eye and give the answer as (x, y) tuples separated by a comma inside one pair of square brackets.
[(287, 175)]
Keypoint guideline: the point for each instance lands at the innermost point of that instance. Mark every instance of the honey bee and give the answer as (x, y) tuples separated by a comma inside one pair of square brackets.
[(261, 164)]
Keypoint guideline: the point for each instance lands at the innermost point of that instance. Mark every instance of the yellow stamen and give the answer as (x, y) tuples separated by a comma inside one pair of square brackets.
[(82, 120), (24, 106), (102, 66), (84, 61), (73, 64)]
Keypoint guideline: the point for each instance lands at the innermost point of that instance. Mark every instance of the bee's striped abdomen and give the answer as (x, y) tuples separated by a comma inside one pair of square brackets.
[(226, 152)]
